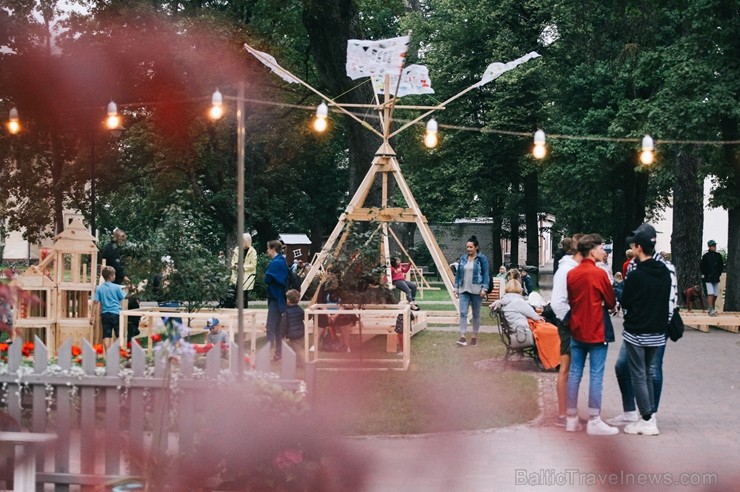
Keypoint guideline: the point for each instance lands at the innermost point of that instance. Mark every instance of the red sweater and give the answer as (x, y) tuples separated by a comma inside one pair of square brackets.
[(400, 273), (588, 287)]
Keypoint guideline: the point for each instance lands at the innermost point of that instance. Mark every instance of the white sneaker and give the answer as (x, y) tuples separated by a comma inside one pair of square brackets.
[(623, 419), (597, 427), (643, 427), (572, 424)]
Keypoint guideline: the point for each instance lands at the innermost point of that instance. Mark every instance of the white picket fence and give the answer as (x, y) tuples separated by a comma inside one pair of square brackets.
[(76, 402)]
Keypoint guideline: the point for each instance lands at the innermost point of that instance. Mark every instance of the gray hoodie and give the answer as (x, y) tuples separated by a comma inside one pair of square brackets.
[(516, 310)]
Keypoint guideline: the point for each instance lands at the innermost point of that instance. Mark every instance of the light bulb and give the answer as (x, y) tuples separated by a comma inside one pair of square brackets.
[(216, 112), (14, 126), (113, 122), (430, 140), (217, 106), (539, 151), (647, 157), (319, 124)]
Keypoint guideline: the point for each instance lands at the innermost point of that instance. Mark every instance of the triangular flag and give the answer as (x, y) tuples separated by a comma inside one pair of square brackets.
[(495, 70), (368, 58), (414, 80), (272, 64)]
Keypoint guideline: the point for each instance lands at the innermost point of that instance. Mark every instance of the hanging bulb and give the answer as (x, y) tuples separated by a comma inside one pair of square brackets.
[(647, 156), (217, 106), (320, 123), (113, 121), (430, 139), (14, 126), (539, 151)]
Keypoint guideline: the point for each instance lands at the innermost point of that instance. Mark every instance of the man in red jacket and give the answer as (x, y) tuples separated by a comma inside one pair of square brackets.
[(590, 296)]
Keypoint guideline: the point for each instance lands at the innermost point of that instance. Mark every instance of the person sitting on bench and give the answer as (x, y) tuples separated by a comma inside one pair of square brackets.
[(398, 276)]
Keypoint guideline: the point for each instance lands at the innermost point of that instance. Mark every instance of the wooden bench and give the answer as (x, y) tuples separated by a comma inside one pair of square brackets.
[(508, 334), (701, 321), (497, 290)]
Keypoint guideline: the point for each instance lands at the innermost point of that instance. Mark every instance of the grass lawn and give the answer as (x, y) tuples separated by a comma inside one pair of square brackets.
[(442, 391)]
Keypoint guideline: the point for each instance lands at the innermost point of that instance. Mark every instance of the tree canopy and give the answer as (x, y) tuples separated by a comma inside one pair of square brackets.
[(608, 72)]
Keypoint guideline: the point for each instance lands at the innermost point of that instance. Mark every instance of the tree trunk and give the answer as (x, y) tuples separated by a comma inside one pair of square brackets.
[(531, 193), (688, 219), (514, 239), (329, 26), (731, 156)]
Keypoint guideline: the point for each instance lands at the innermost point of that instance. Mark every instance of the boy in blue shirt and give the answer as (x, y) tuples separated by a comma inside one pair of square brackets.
[(108, 299)]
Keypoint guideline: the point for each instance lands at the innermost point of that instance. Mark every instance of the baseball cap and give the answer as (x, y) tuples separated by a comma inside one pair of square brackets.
[(211, 322), (712, 242), (644, 235)]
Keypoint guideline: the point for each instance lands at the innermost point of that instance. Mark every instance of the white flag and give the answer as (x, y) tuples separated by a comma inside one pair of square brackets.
[(368, 58), (495, 70), (414, 80), (272, 64)]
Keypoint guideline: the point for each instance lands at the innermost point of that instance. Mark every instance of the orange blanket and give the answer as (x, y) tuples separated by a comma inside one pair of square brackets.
[(548, 342)]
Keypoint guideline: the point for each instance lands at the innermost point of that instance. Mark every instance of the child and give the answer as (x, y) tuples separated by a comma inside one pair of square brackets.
[(293, 328), (215, 334), (108, 299), (398, 276), (692, 296)]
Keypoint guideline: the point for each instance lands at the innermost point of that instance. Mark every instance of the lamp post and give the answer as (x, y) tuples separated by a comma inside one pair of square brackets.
[(215, 113), (113, 125)]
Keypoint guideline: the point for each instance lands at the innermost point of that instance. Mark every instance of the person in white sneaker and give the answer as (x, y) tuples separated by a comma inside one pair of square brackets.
[(561, 308), (621, 367), (646, 296), (471, 287), (590, 296)]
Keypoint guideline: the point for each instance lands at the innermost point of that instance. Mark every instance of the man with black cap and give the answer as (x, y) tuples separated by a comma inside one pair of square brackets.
[(711, 268), (646, 297)]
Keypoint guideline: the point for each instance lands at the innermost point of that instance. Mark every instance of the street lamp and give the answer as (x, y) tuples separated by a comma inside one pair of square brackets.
[(215, 113), (113, 124)]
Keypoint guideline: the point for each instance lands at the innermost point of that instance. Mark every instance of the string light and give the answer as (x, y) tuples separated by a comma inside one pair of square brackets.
[(217, 106), (430, 139), (648, 146), (113, 121), (539, 151), (14, 125), (322, 113)]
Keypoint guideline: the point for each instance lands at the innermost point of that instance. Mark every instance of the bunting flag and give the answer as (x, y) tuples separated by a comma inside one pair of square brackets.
[(495, 70), (369, 58), (272, 64), (414, 80)]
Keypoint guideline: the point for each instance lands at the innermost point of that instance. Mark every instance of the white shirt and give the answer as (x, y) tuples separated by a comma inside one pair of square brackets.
[(559, 300)]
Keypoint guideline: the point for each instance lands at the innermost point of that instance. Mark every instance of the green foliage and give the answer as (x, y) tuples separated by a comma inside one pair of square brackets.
[(191, 273)]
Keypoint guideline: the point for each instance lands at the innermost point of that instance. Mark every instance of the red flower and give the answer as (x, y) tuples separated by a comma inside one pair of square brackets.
[(27, 349), (124, 353), (3, 347), (288, 458), (76, 351), (99, 348), (156, 337)]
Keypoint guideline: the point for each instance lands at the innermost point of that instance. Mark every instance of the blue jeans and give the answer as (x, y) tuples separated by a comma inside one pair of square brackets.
[(274, 338), (655, 370), (597, 359), (474, 301)]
